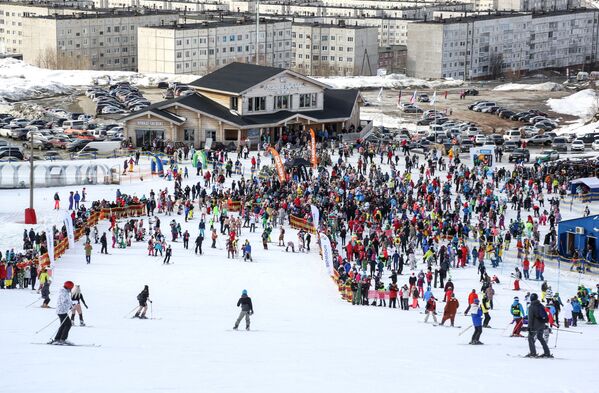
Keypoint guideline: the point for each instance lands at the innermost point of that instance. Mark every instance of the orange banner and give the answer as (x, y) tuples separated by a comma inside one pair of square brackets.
[(313, 159), (301, 223), (278, 164)]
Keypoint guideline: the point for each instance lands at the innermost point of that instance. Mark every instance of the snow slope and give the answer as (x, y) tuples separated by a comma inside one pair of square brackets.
[(396, 81), (582, 104), (304, 339)]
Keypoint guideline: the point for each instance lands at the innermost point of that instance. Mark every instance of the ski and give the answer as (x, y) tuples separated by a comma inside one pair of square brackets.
[(69, 345), (525, 357)]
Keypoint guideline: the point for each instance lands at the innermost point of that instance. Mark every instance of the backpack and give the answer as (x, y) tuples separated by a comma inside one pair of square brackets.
[(516, 310)]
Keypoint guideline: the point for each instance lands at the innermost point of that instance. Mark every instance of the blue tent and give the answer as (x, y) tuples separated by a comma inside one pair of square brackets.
[(589, 187), (581, 234)]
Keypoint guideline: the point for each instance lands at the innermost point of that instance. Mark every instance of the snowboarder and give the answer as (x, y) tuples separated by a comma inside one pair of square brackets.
[(77, 298), (63, 307), (143, 299), (537, 319), (246, 310)]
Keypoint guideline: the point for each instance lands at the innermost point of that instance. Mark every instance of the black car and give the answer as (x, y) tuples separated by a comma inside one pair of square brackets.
[(77, 144), (510, 146), (520, 155), (497, 139), (12, 153), (506, 114), (471, 92)]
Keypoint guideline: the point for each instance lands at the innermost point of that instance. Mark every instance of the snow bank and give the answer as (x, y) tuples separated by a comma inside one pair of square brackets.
[(546, 86), (581, 104), (22, 81), (386, 81)]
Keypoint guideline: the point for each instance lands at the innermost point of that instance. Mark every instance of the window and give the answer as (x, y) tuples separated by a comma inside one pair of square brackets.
[(188, 134), (256, 104), (307, 100), (282, 102), (233, 102)]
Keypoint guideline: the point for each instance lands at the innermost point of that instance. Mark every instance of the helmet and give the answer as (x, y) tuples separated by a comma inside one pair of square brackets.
[(69, 284), (244, 292), (516, 298)]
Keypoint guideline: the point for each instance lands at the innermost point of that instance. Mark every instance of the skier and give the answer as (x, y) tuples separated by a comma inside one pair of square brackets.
[(104, 242), (186, 239), (62, 309), (77, 298), (246, 310), (199, 241), (450, 310), (537, 319), (476, 313), (431, 309), (46, 293), (143, 299), (486, 307), (167, 255), (247, 251), (517, 312)]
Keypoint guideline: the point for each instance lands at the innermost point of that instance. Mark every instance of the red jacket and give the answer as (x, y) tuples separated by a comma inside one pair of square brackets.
[(2, 272), (471, 297)]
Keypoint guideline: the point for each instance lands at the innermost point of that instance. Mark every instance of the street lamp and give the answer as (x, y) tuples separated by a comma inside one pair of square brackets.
[(30, 217)]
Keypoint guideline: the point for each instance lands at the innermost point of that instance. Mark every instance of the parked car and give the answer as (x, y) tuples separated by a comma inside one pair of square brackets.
[(560, 144), (480, 139), (510, 146), (512, 135), (539, 140), (587, 138), (577, 145), (482, 105), (13, 153), (506, 114), (466, 145), (595, 145), (471, 92), (411, 108), (51, 155), (548, 155), (519, 155), (38, 144), (495, 139)]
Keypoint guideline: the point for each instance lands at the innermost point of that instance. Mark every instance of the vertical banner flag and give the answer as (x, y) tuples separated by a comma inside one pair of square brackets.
[(202, 157), (50, 245), (379, 98), (434, 99), (327, 253), (413, 99), (68, 222), (313, 158), (399, 99), (315, 216), (278, 164)]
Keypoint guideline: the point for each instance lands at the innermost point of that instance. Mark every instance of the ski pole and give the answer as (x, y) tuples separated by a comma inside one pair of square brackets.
[(54, 320), (31, 304), (62, 323), (568, 331), (151, 310), (465, 330), (129, 313), (556, 336)]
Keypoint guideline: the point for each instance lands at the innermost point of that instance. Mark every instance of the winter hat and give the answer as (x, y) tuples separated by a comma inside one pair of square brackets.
[(69, 284), (476, 301), (244, 292), (516, 298), (534, 297)]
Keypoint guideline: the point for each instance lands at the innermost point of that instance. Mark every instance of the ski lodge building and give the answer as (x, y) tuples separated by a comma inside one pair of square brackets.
[(241, 102)]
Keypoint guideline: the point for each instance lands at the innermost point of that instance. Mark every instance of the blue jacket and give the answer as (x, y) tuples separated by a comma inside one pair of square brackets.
[(520, 308), (477, 317)]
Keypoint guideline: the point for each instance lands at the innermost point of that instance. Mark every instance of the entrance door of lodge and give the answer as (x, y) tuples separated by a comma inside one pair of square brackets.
[(144, 137)]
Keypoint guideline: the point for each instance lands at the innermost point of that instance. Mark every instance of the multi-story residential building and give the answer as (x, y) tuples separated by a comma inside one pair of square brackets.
[(339, 49), (12, 14), (99, 41), (393, 58), (243, 102), (536, 5), (200, 48), (490, 45), (191, 6)]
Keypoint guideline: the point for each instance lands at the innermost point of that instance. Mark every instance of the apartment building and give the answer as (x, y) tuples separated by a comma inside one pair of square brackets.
[(490, 45), (98, 41), (200, 48), (536, 5), (325, 50), (12, 14), (190, 6)]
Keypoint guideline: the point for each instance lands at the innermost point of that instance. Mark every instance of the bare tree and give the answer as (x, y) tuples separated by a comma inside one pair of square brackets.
[(496, 65)]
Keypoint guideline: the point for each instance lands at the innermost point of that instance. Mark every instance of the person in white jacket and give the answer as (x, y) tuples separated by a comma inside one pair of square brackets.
[(567, 313), (64, 306)]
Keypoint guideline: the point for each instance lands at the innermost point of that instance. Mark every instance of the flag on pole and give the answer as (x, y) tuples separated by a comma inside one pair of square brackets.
[(379, 98), (399, 99), (434, 98), (413, 98)]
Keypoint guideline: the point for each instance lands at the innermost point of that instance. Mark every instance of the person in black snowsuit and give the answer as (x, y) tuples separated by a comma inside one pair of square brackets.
[(143, 299), (537, 319), (247, 309), (104, 243), (199, 241), (167, 255)]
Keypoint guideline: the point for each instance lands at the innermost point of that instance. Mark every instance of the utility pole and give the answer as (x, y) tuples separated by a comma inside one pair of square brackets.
[(257, 32), (30, 217)]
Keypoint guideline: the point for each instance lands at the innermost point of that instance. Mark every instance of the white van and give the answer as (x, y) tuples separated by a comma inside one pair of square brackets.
[(512, 135), (74, 125), (103, 148)]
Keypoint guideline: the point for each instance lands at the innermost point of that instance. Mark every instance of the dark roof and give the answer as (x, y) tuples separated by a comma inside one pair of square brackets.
[(338, 104), (236, 77)]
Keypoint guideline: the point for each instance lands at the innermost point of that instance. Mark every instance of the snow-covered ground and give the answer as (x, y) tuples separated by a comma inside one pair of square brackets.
[(545, 86), (304, 336), (582, 104), (21, 81), (395, 81)]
